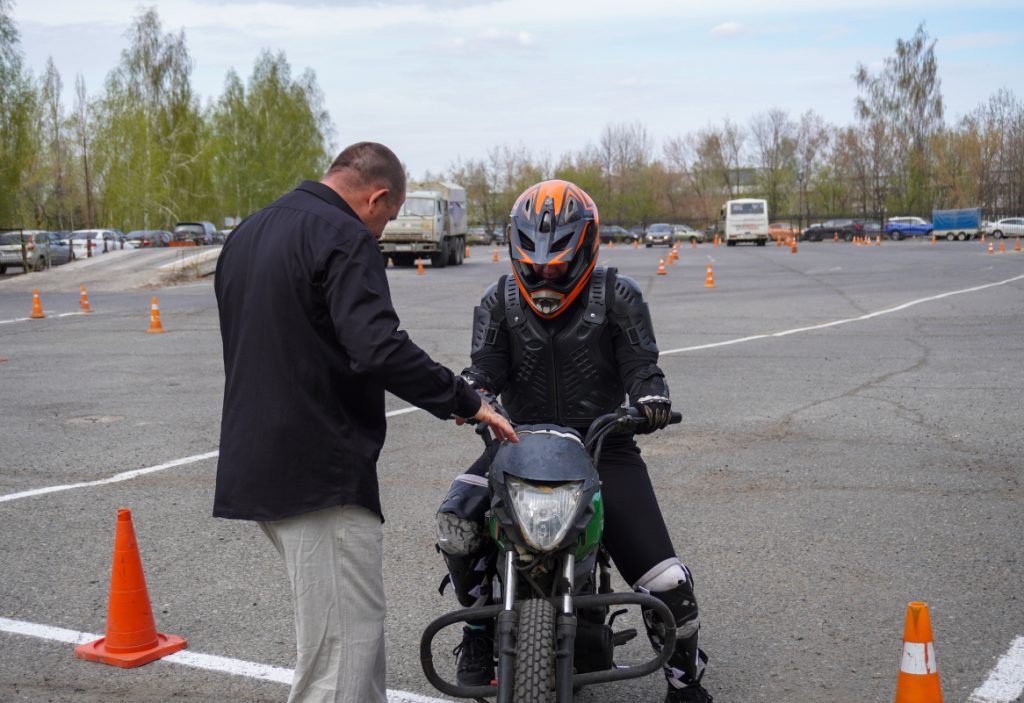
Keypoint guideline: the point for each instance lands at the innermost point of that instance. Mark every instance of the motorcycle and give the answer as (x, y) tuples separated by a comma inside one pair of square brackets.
[(554, 624)]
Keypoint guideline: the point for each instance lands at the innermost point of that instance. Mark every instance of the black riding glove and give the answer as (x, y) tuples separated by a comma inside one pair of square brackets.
[(657, 409)]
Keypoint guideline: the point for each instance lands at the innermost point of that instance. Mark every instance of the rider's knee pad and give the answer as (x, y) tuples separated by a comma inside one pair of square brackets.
[(460, 518), (672, 583)]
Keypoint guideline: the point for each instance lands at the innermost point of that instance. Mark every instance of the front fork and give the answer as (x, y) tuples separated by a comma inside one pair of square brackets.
[(504, 627)]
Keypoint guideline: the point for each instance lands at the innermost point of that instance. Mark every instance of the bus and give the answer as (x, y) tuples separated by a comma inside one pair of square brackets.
[(744, 220)]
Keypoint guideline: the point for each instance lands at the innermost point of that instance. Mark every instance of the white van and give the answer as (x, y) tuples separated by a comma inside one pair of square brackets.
[(744, 220)]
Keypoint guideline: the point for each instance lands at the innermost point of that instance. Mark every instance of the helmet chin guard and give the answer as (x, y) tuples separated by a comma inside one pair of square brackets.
[(553, 241)]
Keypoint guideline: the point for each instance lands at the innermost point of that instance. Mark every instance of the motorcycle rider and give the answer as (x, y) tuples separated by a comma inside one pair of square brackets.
[(563, 341)]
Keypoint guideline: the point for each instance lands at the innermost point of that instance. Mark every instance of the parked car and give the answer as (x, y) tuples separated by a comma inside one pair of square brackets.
[(659, 233), (871, 228), (41, 249), (60, 248), (1007, 227), (845, 227), (812, 233), (148, 238), (685, 233), (199, 233), (614, 233), (101, 241), (638, 231), (902, 227), (782, 231)]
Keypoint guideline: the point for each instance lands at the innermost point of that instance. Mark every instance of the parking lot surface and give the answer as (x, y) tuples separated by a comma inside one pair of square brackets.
[(851, 442)]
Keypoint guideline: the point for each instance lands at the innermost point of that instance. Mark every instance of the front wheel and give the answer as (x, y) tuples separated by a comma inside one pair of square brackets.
[(997, 234), (535, 653), (950, 237)]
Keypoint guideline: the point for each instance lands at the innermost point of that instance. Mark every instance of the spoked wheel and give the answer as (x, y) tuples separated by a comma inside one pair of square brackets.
[(535, 653)]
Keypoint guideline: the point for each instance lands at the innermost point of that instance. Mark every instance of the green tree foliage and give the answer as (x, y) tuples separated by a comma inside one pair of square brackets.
[(267, 136), (902, 106), (18, 126), (150, 151)]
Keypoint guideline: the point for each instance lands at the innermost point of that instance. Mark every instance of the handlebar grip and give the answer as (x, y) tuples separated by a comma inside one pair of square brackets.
[(675, 418)]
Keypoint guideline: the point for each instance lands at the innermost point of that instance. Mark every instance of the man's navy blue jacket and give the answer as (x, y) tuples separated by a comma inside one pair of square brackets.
[(311, 342)]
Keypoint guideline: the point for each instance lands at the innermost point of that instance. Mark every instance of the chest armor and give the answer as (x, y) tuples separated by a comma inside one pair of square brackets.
[(562, 374)]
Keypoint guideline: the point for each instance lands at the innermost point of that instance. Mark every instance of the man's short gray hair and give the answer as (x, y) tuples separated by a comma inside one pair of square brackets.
[(371, 164)]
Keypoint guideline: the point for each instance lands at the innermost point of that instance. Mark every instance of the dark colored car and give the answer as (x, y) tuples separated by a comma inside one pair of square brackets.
[(846, 228), (614, 233), (147, 238), (660, 233)]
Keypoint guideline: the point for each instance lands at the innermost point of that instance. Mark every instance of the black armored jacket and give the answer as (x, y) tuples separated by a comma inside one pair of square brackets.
[(573, 368)]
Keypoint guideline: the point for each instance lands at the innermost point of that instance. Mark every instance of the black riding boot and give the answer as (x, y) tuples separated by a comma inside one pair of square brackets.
[(685, 667)]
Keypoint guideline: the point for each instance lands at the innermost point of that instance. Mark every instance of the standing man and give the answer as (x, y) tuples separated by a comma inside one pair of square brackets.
[(311, 342)]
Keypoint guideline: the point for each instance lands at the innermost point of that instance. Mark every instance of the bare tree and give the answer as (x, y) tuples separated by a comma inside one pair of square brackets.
[(774, 144)]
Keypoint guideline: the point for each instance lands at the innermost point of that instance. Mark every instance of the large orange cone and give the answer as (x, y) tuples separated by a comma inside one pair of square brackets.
[(155, 326), (709, 280), (661, 267), (918, 680), (1002, 246), (37, 307), (419, 268), (84, 302), (131, 639)]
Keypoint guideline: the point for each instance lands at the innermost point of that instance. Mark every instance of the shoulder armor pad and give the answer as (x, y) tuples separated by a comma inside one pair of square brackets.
[(487, 318), (633, 315)]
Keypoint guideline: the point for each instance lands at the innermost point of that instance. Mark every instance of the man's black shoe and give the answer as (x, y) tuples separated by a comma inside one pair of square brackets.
[(694, 693), (476, 657)]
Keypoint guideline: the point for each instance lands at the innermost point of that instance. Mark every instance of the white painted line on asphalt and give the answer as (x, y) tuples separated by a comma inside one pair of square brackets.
[(844, 321), (63, 314), (1005, 682), (123, 476), (195, 660), (126, 475)]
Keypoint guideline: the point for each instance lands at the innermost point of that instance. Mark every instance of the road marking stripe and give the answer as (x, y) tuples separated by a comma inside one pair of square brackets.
[(195, 660), (126, 475), (22, 319), (1005, 682), (835, 323)]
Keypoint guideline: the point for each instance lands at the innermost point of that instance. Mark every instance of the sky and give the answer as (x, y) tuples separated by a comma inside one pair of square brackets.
[(445, 80)]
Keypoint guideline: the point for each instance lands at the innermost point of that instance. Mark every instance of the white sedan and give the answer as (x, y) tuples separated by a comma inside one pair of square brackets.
[(1008, 227)]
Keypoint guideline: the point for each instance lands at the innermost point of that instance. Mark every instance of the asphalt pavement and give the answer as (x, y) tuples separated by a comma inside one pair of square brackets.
[(851, 442)]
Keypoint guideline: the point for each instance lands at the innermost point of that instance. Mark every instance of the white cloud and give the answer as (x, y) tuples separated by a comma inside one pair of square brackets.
[(727, 29)]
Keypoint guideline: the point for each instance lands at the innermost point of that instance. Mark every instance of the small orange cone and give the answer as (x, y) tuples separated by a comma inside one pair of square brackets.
[(933, 238), (661, 267), (878, 241), (991, 249), (84, 302), (154, 318), (494, 255), (1016, 247), (693, 243), (636, 243), (1002, 246), (918, 680), (709, 281), (131, 638), (835, 238), (611, 243), (37, 307), (792, 247), (419, 268), (467, 252)]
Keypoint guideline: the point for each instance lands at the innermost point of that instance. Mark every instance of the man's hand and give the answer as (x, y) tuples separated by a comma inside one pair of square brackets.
[(658, 411), (500, 427)]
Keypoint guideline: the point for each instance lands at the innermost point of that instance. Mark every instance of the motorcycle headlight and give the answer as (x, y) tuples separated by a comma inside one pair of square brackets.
[(545, 512)]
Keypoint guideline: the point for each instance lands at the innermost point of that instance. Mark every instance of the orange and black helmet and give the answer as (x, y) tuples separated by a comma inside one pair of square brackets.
[(553, 242)]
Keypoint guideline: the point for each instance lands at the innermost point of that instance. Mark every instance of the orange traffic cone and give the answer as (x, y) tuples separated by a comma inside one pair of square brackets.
[(792, 248), (878, 241), (933, 238), (37, 307), (991, 249), (661, 267), (611, 243), (693, 243), (1002, 246), (835, 237), (154, 318), (494, 255), (918, 680), (419, 268), (636, 243), (467, 252), (1016, 247), (84, 302), (131, 638), (709, 281)]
